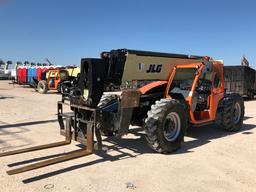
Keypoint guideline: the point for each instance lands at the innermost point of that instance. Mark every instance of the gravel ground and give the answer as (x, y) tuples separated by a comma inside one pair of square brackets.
[(209, 160)]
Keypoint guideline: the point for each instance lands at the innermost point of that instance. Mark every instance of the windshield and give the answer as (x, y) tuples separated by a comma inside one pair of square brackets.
[(184, 78), (63, 75)]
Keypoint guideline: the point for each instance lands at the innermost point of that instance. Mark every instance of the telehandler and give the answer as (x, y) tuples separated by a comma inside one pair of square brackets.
[(55, 79), (164, 93)]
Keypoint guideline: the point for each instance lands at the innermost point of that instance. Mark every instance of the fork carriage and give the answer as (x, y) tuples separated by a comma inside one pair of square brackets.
[(72, 127), (82, 127)]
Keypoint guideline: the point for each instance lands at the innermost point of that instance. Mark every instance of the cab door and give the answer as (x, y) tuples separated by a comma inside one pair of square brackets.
[(53, 79), (217, 89)]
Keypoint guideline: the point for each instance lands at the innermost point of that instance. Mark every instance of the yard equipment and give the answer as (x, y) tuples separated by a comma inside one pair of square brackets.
[(52, 79), (164, 93)]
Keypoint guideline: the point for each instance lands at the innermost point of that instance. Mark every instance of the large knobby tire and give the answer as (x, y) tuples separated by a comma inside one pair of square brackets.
[(232, 113), (166, 125), (105, 101), (42, 87)]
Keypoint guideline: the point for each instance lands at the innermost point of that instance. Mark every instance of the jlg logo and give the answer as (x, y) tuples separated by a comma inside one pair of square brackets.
[(153, 68)]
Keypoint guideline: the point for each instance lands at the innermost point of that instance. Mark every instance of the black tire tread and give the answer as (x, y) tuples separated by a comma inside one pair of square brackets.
[(156, 115), (228, 103), (42, 91)]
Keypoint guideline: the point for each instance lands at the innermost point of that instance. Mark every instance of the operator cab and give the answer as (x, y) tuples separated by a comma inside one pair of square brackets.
[(197, 84), (55, 76)]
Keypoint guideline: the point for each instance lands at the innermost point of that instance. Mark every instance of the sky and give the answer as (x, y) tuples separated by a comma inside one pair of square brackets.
[(64, 31)]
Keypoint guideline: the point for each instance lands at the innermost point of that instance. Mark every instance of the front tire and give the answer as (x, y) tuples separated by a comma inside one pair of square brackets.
[(42, 87), (166, 125)]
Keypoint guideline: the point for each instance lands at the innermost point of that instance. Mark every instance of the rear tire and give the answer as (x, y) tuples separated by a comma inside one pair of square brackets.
[(42, 87), (232, 112), (166, 125)]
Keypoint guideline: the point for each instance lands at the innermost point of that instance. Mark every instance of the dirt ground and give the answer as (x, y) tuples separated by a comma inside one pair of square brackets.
[(209, 160)]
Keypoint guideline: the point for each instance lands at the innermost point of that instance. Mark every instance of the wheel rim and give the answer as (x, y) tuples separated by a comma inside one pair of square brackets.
[(237, 113), (172, 126)]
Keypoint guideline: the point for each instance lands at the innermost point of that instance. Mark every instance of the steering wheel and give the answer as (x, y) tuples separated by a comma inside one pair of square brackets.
[(185, 86), (203, 85)]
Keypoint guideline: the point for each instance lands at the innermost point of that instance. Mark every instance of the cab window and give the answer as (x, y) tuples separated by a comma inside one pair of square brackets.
[(216, 82), (52, 74)]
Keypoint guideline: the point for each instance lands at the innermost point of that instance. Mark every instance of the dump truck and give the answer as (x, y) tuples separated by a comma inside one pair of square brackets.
[(164, 93), (241, 80)]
